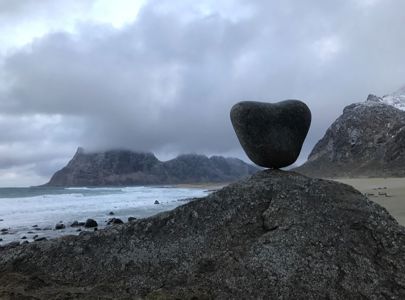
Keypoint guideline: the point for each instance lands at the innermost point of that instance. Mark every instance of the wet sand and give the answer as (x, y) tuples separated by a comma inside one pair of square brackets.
[(388, 192), (206, 186)]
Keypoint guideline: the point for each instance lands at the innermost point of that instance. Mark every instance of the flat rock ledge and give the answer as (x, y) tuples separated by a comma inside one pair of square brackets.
[(276, 235)]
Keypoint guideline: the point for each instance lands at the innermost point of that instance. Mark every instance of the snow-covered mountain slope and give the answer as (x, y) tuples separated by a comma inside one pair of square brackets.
[(396, 99), (368, 139)]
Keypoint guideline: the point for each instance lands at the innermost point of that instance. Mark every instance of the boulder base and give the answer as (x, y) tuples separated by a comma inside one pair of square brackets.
[(276, 235)]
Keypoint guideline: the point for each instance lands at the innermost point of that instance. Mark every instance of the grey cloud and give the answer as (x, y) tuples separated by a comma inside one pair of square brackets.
[(166, 83)]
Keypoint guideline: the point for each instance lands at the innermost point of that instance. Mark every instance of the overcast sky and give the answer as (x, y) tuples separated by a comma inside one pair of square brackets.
[(161, 75)]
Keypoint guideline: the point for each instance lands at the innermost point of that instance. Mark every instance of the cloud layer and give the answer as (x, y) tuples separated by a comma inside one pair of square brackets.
[(166, 82)]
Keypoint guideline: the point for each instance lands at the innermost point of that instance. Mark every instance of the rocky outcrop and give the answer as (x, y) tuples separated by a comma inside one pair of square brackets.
[(368, 139), (122, 167), (277, 235)]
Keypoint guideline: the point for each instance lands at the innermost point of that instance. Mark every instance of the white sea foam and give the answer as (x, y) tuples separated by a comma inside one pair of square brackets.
[(19, 214)]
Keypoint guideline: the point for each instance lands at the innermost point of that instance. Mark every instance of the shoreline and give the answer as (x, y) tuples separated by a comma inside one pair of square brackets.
[(210, 186)]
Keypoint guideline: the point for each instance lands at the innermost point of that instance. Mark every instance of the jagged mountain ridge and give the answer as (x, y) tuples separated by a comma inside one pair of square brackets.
[(368, 139), (124, 167)]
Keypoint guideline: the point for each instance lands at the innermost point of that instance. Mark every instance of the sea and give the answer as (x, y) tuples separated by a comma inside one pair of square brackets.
[(27, 214)]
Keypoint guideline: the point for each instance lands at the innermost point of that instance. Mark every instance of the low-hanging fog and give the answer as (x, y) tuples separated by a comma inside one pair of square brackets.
[(164, 78)]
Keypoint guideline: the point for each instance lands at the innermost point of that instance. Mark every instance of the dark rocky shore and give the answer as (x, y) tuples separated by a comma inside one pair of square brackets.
[(275, 235)]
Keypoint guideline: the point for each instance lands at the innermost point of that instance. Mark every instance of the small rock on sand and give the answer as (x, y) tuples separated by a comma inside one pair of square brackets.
[(59, 226), (90, 223), (114, 221)]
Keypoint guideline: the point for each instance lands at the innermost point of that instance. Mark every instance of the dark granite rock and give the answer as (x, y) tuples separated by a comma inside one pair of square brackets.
[(111, 213), (12, 244), (130, 219), (271, 134), (40, 239), (156, 202), (278, 235), (90, 223), (59, 226), (114, 221), (75, 224)]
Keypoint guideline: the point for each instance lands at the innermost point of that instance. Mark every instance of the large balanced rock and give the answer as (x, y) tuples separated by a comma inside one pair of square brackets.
[(278, 235), (271, 134)]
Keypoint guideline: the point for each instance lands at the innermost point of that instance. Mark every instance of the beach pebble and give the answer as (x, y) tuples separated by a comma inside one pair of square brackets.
[(59, 226), (75, 224), (40, 239), (13, 244), (271, 134), (114, 221), (90, 223)]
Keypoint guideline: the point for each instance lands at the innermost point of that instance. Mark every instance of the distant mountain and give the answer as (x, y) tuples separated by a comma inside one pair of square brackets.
[(368, 139), (123, 167)]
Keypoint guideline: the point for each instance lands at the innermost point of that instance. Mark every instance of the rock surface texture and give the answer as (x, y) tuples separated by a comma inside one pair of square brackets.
[(271, 134), (277, 235), (368, 139), (122, 167)]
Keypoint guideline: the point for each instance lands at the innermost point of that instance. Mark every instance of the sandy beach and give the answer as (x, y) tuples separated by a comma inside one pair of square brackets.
[(213, 186), (388, 192)]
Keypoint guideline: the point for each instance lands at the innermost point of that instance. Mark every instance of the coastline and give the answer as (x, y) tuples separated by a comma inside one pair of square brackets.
[(209, 186)]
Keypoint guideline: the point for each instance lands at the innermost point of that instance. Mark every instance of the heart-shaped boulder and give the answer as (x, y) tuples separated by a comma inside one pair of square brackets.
[(271, 134)]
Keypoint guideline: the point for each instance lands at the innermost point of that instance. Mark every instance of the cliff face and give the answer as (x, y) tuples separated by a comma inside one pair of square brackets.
[(368, 139), (121, 167), (276, 235)]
